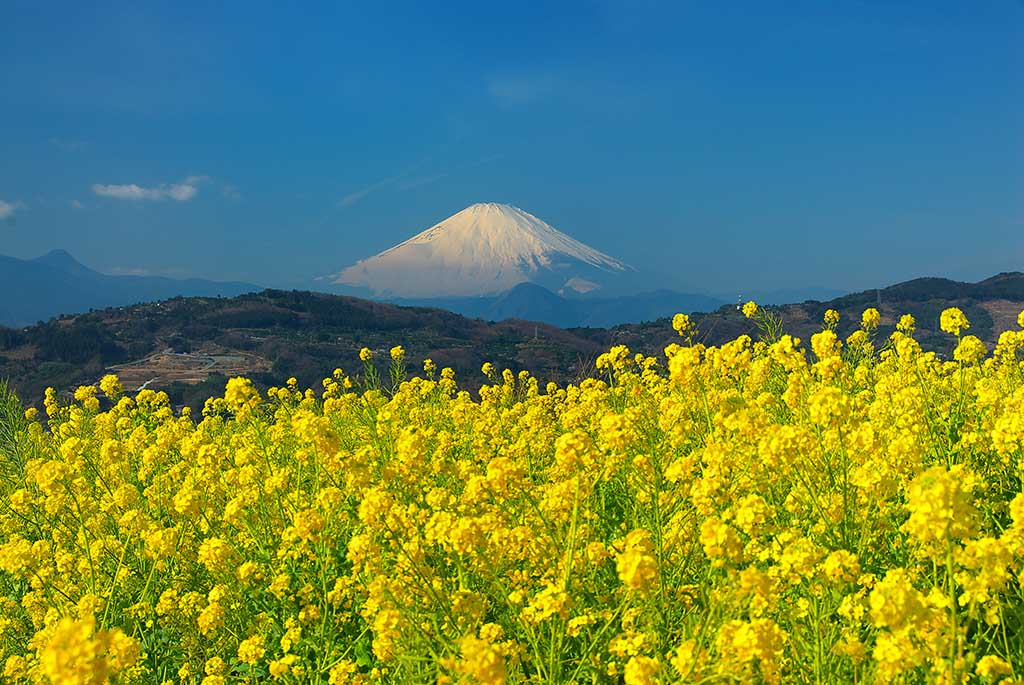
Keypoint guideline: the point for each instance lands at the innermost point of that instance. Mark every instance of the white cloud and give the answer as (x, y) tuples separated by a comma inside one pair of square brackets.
[(77, 205), (7, 209), (180, 192), (127, 192)]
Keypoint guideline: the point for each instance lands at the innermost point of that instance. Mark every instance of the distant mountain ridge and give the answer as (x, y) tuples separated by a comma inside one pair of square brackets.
[(1008, 285), (56, 283)]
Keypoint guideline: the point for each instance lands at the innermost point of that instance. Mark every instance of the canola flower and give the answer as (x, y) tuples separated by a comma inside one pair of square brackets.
[(761, 511)]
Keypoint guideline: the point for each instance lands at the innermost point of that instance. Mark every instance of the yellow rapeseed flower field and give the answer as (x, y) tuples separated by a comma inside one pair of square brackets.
[(754, 512)]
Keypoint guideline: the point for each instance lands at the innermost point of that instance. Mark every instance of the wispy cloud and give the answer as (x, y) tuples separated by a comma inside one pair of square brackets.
[(179, 192), (65, 145), (521, 89), (77, 204), (421, 181), (7, 209), (362, 194), (586, 90), (355, 197), (128, 271), (170, 272), (407, 181)]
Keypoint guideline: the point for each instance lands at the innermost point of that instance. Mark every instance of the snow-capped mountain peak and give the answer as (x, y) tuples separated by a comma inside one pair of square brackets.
[(484, 249)]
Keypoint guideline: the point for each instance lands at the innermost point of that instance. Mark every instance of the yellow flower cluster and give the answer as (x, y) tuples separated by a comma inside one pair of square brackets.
[(750, 512)]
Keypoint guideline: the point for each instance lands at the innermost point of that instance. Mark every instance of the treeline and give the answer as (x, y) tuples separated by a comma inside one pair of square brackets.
[(10, 338)]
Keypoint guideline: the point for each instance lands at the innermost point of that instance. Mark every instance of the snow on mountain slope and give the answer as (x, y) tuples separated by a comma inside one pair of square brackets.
[(486, 248)]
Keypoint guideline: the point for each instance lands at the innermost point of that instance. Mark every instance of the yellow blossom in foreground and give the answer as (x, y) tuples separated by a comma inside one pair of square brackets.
[(636, 565), (742, 644), (681, 324), (251, 650), (970, 350), (642, 670), (992, 667), (110, 386), (75, 654), (481, 661), (906, 324), (953, 321), (759, 511), (940, 505)]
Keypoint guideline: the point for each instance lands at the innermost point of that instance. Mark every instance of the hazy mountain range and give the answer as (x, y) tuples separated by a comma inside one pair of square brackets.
[(56, 283)]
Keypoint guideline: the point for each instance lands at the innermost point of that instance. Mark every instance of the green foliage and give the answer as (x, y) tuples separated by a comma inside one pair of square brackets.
[(14, 449)]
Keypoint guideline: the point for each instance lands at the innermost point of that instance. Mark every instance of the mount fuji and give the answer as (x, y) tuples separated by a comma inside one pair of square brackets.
[(484, 250)]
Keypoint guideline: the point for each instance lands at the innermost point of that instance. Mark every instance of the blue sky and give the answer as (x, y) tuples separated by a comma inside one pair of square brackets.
[(729, 146)]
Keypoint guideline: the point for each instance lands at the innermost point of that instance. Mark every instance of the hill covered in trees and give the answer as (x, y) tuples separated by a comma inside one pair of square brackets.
[(188, 346)]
